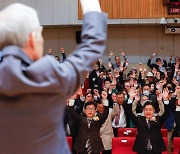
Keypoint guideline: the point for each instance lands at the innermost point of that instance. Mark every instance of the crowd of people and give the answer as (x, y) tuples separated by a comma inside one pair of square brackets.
[(111, 83), (34, 91)]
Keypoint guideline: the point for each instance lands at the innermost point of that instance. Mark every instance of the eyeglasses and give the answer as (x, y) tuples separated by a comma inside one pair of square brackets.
[(148, 110), (90, 109), (88, 96)]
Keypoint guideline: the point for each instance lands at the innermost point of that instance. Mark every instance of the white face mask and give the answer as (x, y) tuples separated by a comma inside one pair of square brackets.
[(82, 98), (104, 77), (107, 86), (146, 93), (96, 98)]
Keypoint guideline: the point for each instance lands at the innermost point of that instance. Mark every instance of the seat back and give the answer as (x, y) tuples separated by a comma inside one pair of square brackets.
[(123, 145), (176, 145), (69, 140), (127, 132), (166, 143), (164, 132)]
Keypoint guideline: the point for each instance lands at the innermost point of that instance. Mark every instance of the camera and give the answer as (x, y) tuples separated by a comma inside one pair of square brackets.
[(163, 21)]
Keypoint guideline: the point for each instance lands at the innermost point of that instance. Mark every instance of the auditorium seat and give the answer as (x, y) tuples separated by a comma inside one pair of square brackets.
[(166, 143), (164, 132), (69, 140), (123, 145), (127, 132), (176, 145)]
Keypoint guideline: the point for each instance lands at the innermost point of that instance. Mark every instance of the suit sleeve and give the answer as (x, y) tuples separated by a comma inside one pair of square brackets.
[(73, 114), (149, 63), (72, 72), (165, 114), (104, 115), (128, 110)]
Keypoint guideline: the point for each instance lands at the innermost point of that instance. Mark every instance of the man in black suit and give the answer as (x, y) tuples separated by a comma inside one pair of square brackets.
[(149, 139), (88, 140)]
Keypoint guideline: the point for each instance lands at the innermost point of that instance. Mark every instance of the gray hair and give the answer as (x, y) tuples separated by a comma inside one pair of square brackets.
[(17, 21)]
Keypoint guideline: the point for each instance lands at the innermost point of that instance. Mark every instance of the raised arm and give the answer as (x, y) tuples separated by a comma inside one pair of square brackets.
[(161, 105), (71, 111), (115, 110), (166, 105), (72, 72), (134, 105), (104, 115), (128, 105)]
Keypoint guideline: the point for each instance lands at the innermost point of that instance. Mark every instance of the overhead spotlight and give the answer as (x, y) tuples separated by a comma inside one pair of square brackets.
[(163, 21)]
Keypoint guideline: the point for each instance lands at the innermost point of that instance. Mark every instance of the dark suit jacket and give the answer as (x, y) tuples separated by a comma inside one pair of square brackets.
[(155, 65), (92, 133), (33, 94), (93, 79), (154, 133)]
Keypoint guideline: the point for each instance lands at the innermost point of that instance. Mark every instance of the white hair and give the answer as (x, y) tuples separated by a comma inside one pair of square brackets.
[(17, 21)]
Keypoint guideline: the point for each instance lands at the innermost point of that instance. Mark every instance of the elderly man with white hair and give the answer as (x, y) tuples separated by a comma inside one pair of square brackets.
[(34, 90)]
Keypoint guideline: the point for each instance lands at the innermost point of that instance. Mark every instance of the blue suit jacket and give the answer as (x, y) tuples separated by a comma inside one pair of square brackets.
[(33, 94)]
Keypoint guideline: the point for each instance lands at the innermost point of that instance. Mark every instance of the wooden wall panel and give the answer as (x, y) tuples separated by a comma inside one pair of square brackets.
[(144, 12), (134, 9), (153, 10)]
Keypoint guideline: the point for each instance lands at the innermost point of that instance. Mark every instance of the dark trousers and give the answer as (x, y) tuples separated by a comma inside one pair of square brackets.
[(85, 152), (149, 152), (107, 152), (115, 130)]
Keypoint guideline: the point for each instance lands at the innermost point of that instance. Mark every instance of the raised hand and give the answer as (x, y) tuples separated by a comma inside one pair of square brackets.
[(90, 5), (140, 67), (109, 65), (175, 81), (165, 94), (111, 53), (62, 50), (123, 54), (177, 90), (153, 55), (132, 93)]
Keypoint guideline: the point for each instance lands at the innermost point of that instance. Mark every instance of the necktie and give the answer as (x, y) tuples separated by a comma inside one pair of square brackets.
[(148, 123), (117, 118), (89, 149), (149, 145), (89, 122)]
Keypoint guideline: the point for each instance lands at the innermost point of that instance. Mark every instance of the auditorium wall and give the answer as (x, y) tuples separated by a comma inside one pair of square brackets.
[(139, 38), (139, 42)]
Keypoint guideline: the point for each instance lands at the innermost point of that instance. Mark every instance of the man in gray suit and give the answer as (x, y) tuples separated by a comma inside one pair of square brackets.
[(33, 90)]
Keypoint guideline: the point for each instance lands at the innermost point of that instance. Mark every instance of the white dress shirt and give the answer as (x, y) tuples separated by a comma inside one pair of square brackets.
[(122, 119)]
